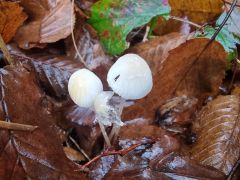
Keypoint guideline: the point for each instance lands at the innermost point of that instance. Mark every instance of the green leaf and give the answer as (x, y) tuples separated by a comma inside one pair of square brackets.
[(114, 19), (224, 37)]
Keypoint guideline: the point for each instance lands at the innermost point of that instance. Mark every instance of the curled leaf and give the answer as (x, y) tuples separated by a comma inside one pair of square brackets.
[(49, 22)]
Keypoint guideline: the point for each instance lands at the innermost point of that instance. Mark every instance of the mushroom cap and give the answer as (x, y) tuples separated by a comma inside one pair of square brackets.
[(83, 87), (130, 77)]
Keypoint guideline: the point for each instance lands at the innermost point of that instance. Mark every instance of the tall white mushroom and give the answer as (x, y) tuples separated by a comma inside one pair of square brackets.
[(131, 78), (86, 90)]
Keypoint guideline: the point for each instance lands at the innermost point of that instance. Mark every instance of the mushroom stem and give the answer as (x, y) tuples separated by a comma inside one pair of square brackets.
[(114, 132), (104, 134)]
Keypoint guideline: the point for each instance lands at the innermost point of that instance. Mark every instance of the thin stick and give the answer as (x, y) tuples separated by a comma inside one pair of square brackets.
[(80, 149), (230, 3), (104, 134), (16, 126), (73, 38), (186, 21), (5, 51)]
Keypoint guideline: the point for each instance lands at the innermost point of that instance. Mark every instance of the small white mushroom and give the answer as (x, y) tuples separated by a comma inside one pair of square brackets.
[(130, 77), (83, 87)]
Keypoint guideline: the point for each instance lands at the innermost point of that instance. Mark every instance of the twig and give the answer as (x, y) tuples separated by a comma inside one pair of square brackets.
[(5, 51), (186, 21), (224, 21), (121, 152), (80, 149), (73, 38), (230, 3), (16, 126), (234, 169)]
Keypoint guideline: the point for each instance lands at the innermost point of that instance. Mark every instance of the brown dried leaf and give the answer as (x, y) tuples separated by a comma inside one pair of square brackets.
[(49, 22), (218, 129), (175, 166), (157, 50), (11, 17), (183, 74), (35, 155), (199, 11)]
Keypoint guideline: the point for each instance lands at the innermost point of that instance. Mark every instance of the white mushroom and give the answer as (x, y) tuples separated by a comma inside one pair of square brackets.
[(130, 77), (83, 87), (108, 111)]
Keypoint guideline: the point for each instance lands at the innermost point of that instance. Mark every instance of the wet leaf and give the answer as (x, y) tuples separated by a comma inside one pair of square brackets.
[(183, 74), (11, 17), (53, 73), (34, 155), (175, 166), (218, 130), (137, 161), (155, 51), (49, 22), (115, 19)]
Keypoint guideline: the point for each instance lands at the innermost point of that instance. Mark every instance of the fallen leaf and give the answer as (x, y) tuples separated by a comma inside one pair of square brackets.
[(156, 50), (183, 74), (34, 155), (136, 161), (49, 22), (11, 18), (175, 166), (52, 73), (114, 20), (199, 11), (218, 130)]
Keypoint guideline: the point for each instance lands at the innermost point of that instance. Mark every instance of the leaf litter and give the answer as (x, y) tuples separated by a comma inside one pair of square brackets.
[(154, 142)]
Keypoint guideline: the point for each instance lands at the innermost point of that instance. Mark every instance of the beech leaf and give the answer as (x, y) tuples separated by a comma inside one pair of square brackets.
[(218, 130), (11, 18), (50, 22), (30, 155)]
